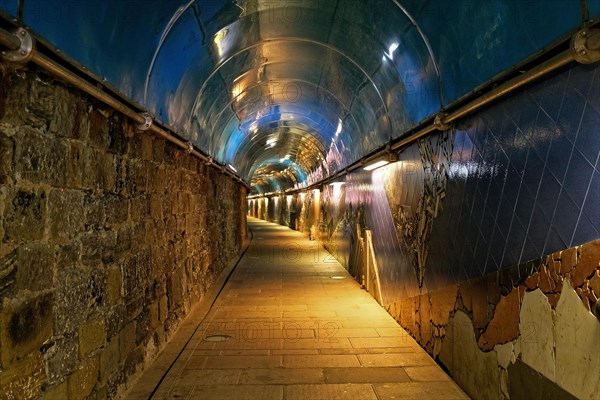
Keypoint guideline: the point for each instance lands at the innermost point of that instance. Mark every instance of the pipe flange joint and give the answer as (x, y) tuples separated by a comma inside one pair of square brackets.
[(144, 126), (438, 122), (190, 148), (585, 45), (25, 51)]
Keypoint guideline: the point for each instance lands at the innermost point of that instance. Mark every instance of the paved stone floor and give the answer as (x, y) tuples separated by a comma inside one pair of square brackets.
[(295, 332)]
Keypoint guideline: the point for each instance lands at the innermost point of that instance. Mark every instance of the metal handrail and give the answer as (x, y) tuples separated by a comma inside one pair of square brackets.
[(12, 43), (584, 48)]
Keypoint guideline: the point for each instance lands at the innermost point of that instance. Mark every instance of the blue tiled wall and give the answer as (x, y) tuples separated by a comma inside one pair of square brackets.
[(524, 181)]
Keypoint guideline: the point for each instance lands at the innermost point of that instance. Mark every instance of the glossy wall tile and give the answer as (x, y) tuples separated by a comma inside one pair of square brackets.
[(518, 180)]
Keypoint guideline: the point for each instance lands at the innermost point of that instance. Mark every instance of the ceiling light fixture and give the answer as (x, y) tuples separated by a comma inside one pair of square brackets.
[(391, 50), (271, 142)]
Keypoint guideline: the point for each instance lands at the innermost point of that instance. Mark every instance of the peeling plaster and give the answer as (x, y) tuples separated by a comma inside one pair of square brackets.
[(537, 333), (475, 371), (577, 334)]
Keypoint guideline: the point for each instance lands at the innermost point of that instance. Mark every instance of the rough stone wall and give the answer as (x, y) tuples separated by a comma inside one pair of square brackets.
[(526, 331), (108, 237)]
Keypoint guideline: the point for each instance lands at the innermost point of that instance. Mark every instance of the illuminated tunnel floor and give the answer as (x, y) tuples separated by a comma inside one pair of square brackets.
[(294, 332)]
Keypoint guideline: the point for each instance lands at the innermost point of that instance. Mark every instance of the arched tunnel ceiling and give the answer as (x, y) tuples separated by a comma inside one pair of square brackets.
[(288, 92)]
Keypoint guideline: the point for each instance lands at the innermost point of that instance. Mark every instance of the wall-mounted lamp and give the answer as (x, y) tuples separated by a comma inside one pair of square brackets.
[(376, 165), (387, 158)]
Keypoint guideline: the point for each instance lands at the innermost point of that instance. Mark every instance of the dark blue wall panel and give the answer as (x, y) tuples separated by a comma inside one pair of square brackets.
[(522, 181), (10, 7), (527, 183)]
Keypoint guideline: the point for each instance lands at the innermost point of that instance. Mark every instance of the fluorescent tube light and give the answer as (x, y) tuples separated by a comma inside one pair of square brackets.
[(375, 165)]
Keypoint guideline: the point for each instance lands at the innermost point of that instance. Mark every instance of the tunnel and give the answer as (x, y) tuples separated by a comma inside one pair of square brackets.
[(299, 199)]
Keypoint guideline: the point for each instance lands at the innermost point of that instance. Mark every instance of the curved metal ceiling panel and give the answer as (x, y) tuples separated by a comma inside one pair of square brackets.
[(114, 39), (477, 39), (290, 92)]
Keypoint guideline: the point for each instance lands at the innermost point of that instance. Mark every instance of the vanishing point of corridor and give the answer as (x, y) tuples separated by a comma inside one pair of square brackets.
[(290, 323)]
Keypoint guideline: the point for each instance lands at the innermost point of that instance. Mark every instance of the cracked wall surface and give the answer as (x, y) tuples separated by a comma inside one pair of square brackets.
[(108, 237), (490, 324)]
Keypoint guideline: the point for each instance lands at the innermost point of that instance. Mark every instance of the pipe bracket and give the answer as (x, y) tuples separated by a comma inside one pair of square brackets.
[(25, 51), (438, 122), (585, 45), (190, 148), (144, 126)]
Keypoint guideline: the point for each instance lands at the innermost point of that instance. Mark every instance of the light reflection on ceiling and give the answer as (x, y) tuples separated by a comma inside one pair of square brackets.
[(289, 92)]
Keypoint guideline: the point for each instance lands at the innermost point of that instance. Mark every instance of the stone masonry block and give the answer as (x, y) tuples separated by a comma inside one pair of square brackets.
[(25, 215), (91, 248), (140, 208), (163, 308), (63, 117), (158, 153), (116, 209), (114, 284), (58, 392), (74, 300), (77, 166), (156, 207), (154, 314), (40, 159), (123, 244), (116, 319), (108, 241), (127, 340), (118, 141), (99, 130), (146, 147), (82, 382), (65, 213), (35, 267), (24, 379), (92, 336), (107, 173), (81, 121), (7, 146), (62, 357), (109, 360)]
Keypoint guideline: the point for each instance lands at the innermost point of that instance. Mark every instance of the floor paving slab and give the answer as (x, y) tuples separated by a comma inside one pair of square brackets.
[(293, 333)]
